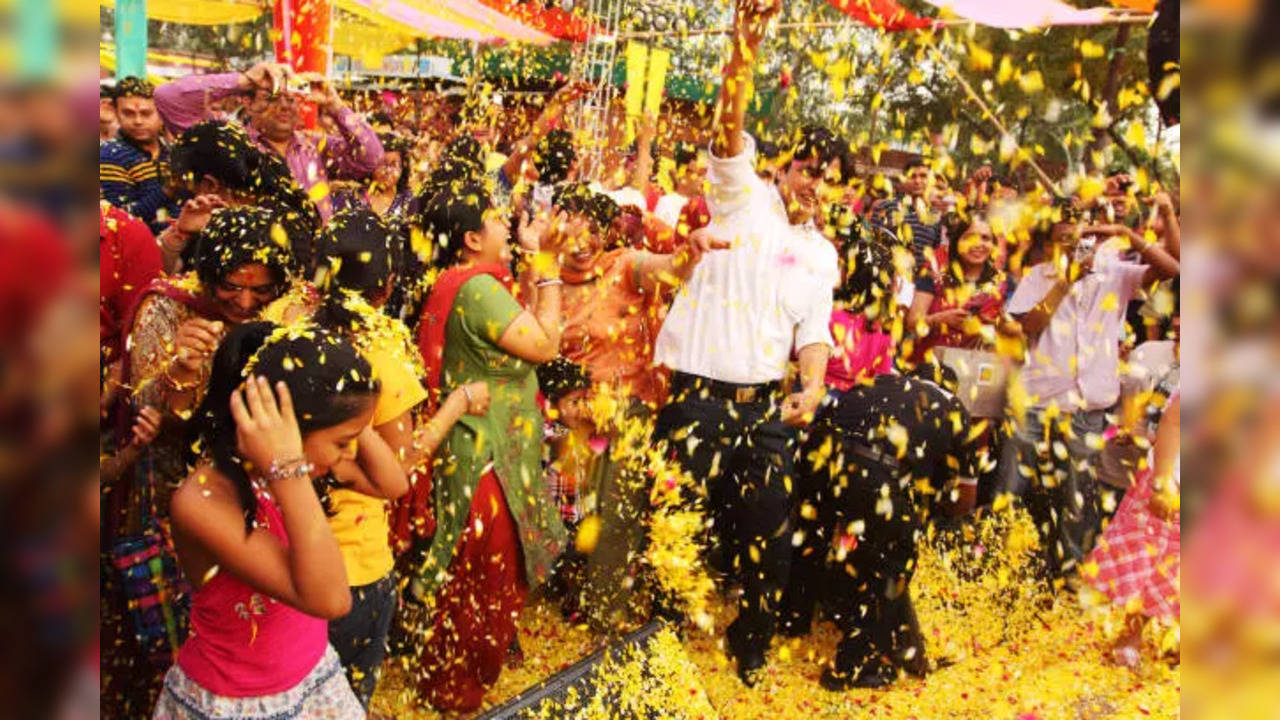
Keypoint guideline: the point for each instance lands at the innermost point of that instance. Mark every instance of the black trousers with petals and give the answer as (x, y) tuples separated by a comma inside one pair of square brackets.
[(740, 454)]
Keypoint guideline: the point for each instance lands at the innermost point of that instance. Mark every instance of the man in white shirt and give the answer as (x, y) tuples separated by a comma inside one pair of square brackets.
[(729, 338), (1071, 308), (690, 175)]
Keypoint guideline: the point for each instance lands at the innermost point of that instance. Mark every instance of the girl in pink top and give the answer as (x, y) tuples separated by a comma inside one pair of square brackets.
[(863, 301), (285, 408)]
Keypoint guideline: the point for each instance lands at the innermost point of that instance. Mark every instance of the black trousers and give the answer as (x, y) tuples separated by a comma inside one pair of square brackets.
[(739, 454), (857, 557), (360, 637)]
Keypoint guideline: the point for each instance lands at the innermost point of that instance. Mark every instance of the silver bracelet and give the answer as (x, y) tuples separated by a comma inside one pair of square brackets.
[(467, 394), (286, 469), (548, 282)]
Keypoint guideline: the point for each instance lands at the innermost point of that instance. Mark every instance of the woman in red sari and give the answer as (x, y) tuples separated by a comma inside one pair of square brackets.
[(960, 294)]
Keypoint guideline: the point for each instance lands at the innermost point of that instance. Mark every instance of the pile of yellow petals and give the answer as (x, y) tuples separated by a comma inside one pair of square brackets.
[(1007, 646)]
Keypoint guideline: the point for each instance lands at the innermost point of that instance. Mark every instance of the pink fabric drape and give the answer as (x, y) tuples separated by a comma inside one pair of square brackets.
[(1023, 13)]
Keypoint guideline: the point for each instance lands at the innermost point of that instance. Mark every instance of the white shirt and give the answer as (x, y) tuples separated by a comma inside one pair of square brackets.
[(668, 208), (624, 196), (1075, 361), (745, 308)]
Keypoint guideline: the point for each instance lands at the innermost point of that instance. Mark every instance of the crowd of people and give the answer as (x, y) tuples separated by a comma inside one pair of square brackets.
[(352, 370)]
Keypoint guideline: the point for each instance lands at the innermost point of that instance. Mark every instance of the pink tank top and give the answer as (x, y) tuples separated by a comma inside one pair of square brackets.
[(860, 353), (244, 643)]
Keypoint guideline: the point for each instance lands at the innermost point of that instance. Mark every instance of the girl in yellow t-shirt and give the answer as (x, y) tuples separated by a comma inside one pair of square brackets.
[(356, 261)]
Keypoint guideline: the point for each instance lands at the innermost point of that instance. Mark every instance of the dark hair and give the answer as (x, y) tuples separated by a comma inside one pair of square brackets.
[(933, 370), (357, 252), (914, 163), (868, 276), (848, 164), (394, 143), (224, 152), (574, 197), (560, 377), (767, 150), (328, 381), (106, 91), (241, 236), (956, 224), (684, 153), (451, 212), (220, 150), (133, 86), (815, 141), (465, 148), (603, 210), (554, 156)]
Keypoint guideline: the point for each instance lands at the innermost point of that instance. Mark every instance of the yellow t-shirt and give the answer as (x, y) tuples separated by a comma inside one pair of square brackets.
[(360, 523)]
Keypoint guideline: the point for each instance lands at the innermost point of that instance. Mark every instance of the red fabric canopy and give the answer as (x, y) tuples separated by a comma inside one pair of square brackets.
[(550, 19), (883, 14)]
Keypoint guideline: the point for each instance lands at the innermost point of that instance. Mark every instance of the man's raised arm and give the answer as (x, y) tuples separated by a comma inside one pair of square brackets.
[(751, 17)]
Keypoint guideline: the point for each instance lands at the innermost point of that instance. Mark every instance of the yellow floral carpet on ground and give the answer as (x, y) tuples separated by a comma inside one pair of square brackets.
[(1014, 650)]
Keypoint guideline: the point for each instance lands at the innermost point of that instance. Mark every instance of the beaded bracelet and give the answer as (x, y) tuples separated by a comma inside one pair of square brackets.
[(286, 469)]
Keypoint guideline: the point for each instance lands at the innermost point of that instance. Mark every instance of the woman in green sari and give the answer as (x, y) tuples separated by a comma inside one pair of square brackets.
[(497, 532)]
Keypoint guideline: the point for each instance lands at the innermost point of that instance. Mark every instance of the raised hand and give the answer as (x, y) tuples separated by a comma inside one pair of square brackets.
[(321, 91), (196, 212), (530, 232), (197, 339), (751, 19), (953, 318), (266, 430), (146, 426), (798, 408), (269, 76)]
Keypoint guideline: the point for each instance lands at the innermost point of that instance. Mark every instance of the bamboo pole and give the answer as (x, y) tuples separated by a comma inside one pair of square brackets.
[(986, 110), (1119, 17)]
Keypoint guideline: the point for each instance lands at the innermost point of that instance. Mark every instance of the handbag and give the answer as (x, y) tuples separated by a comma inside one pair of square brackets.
[(157, 598), (983, 379)]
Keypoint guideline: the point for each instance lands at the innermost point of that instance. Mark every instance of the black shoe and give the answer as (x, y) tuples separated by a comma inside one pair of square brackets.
[(751, 669), (750, 662), (836, 681)]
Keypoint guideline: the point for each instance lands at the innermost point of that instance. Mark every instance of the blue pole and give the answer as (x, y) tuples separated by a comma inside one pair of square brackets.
[(37, 39), (131, 37)]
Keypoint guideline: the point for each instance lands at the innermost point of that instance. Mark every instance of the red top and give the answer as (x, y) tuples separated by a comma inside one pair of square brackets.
[(245, 643), (129, 259)]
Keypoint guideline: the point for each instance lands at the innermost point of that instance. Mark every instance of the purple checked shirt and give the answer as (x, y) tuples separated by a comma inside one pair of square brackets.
[(352, 154)]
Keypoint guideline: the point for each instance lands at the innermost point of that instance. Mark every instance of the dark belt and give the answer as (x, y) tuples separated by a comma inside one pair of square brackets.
[(733, 392), (866, 452)]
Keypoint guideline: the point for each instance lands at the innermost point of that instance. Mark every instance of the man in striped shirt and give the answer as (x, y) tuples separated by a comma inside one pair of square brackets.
[(912, 218), (130, 166)]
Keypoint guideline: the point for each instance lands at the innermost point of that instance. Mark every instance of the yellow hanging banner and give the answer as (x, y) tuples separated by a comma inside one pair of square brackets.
[(637, 58), (659, 61)]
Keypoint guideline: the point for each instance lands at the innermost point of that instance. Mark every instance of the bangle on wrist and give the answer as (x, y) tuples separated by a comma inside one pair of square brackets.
[(548, 282), (291, 468), (467, 394)]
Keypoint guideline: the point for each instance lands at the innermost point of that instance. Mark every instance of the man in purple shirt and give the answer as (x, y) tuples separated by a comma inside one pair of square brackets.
[(1071, 308), (274, 122)]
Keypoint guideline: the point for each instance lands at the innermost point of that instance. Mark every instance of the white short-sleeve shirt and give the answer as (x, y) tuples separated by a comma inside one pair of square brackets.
[(1075, 361), (745, 309)]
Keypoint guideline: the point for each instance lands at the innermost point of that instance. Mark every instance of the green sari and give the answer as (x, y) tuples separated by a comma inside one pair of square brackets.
[(508, 437)]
